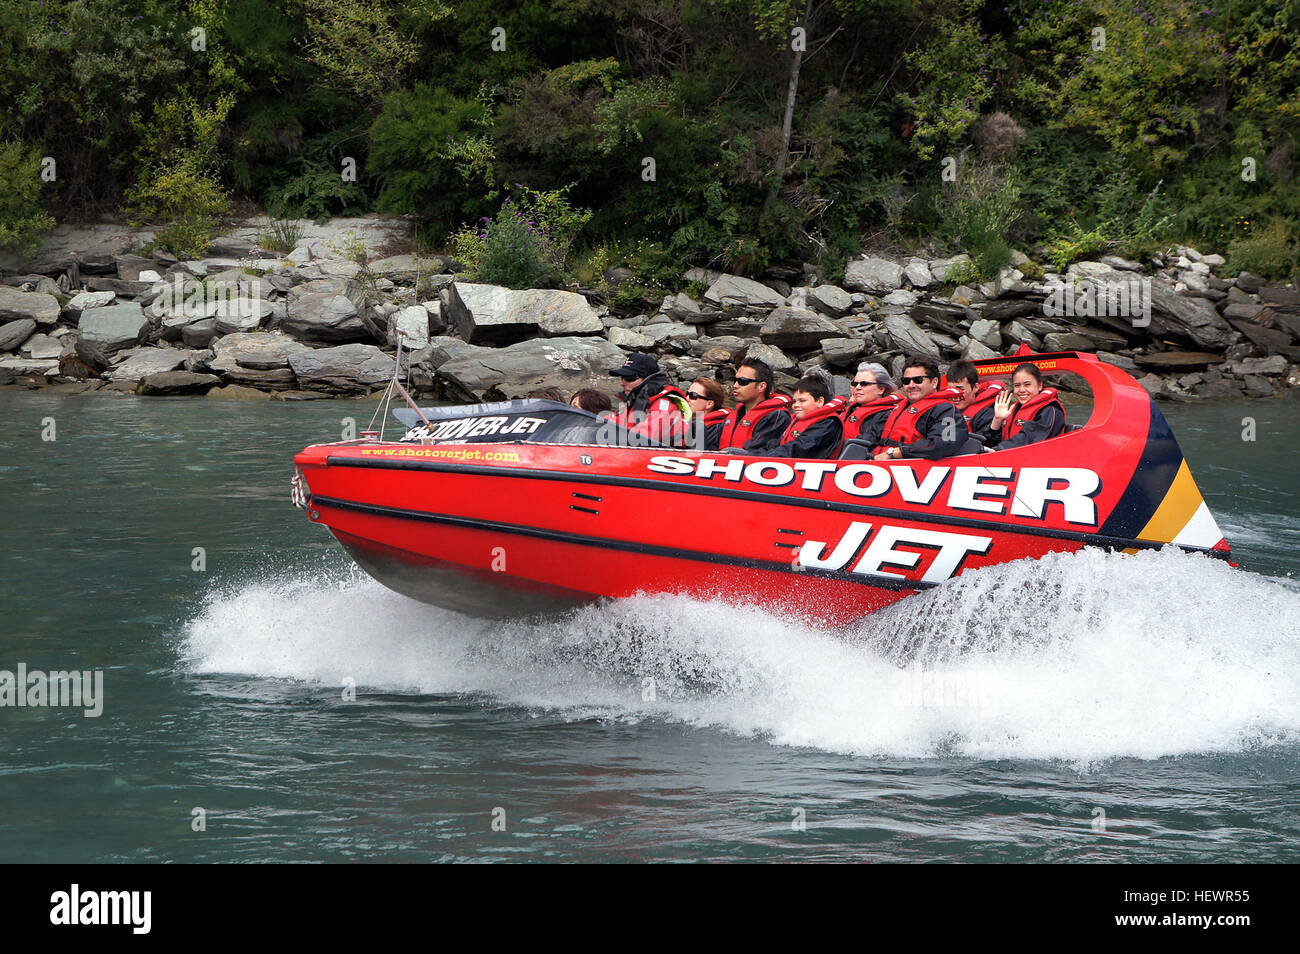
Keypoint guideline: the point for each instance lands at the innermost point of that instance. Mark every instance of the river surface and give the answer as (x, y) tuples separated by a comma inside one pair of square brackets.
[(1119, 708)]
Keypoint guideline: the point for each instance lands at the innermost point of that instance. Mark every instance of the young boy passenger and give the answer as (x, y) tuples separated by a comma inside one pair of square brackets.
[(817, 428)]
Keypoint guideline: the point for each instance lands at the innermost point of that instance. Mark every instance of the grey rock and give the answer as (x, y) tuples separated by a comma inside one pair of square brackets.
[(111, 328), (119, 286), (241, 315), (745, 292), (1251, 284), (666, 332), (15, 305), (873, 275), (490, 314), (775, 357), (842, 352), (685, 308), (976, 350), (257, 358), (796, 328), (1244, 310), (1121, 264), (83, 301), (908, 336), (1014, 333), (176, 382), (345, 368), (829, 300), (986, 332), (1067, 341), (917, 272), (14, 333), (705, 276), (1120, 361), (42, 346), (940, 268), (411, 326), (1214, 261), (569, 364), (200, 333), (326, 310), (1256, 386), (1195, 317), (1273, 364), (21, 367), (405, 268), (139, 362), (629, 339), (902, 298)]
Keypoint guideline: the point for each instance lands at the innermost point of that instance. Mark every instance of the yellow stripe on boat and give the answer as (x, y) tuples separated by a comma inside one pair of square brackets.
[(1182, 516)]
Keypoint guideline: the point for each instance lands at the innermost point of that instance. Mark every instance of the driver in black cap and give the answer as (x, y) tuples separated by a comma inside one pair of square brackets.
[(651, 406)]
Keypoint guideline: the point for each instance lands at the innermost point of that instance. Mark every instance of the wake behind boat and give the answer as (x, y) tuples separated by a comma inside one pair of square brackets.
[(523, 507)]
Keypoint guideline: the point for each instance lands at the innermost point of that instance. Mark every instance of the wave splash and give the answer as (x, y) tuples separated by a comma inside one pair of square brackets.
[(1079, 657)]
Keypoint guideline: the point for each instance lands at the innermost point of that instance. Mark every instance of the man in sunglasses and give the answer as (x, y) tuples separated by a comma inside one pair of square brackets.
[(759, 419), (928, 425)]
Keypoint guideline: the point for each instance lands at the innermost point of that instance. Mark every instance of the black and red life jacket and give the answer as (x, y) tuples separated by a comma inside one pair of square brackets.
[(985, 397), (800, 425), (736, 430), (1024, 413), (901, 427), (666, 417), (855, 415)]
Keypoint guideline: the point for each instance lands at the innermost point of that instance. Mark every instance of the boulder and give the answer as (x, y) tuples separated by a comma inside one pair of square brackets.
[(16, 305), (84, 301), (683, 307), (256, 358), (111, 328), (1267, 338), (42, 346), (440, 350), (873, 275), (239, 392), (796, 328), (1280, 298), (140, 362), (908, 336), (902, 298), (917, 272), (345, 368), (569, 364), (411, 326), (745, 292), (405, 269), (940, 268), (775, 357), (975, 350), (235, 316), (14, 333), (629, 339), (490, 314), (1251, 284), (842, 352), (1272, 365), (986, 332), (1118, 360), (198, 334), (829, 300), (1194, 317), (1247, 311), (37, 367), (1067, 341), (326, 310), (176, 382)]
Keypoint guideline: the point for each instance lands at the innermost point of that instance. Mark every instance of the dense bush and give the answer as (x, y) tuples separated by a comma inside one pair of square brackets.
[(22, 220)]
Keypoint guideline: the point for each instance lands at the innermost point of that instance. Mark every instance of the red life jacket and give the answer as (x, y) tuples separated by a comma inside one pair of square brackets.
[(736, 431), (836, 402), (715, 417), (855, 415), (1026, 412), (667, 417), (801, 424), (985, 397), (901, 426)]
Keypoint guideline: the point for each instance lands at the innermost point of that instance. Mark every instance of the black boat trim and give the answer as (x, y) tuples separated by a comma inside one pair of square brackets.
[(645, 549), (1104, 541)]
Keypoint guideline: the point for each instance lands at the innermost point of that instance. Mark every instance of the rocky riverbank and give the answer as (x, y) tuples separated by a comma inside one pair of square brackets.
[(243, 322)]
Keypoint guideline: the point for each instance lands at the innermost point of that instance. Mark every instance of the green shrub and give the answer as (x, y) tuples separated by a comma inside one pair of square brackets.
[(22, 220), (975, 214), (186, 237), (281, 235), (1271, 252), (514, 252)]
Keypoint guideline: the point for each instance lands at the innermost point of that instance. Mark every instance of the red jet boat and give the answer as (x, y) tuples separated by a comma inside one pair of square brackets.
[(523, 507)]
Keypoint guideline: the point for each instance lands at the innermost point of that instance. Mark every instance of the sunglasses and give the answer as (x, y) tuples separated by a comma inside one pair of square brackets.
[(692, 396), (744, 381), (921, 379), (865, 384)]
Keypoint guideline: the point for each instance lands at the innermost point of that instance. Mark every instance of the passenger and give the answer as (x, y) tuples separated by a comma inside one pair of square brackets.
[(759, 419), (548, 394), (589, 399), (708, 402), (1028, 413), (816, 429), (652, 407), (928, 425), (977, 399), (872, 396)]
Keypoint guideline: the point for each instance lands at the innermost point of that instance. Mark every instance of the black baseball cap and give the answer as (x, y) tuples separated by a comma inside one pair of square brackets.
[(637, 366)]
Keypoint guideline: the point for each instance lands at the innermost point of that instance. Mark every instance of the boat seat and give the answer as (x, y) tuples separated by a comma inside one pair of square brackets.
[(855, 449)]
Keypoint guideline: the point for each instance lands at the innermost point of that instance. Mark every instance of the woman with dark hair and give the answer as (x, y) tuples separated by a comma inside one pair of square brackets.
[(1025, 414), (589, 399), (707, 401)]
